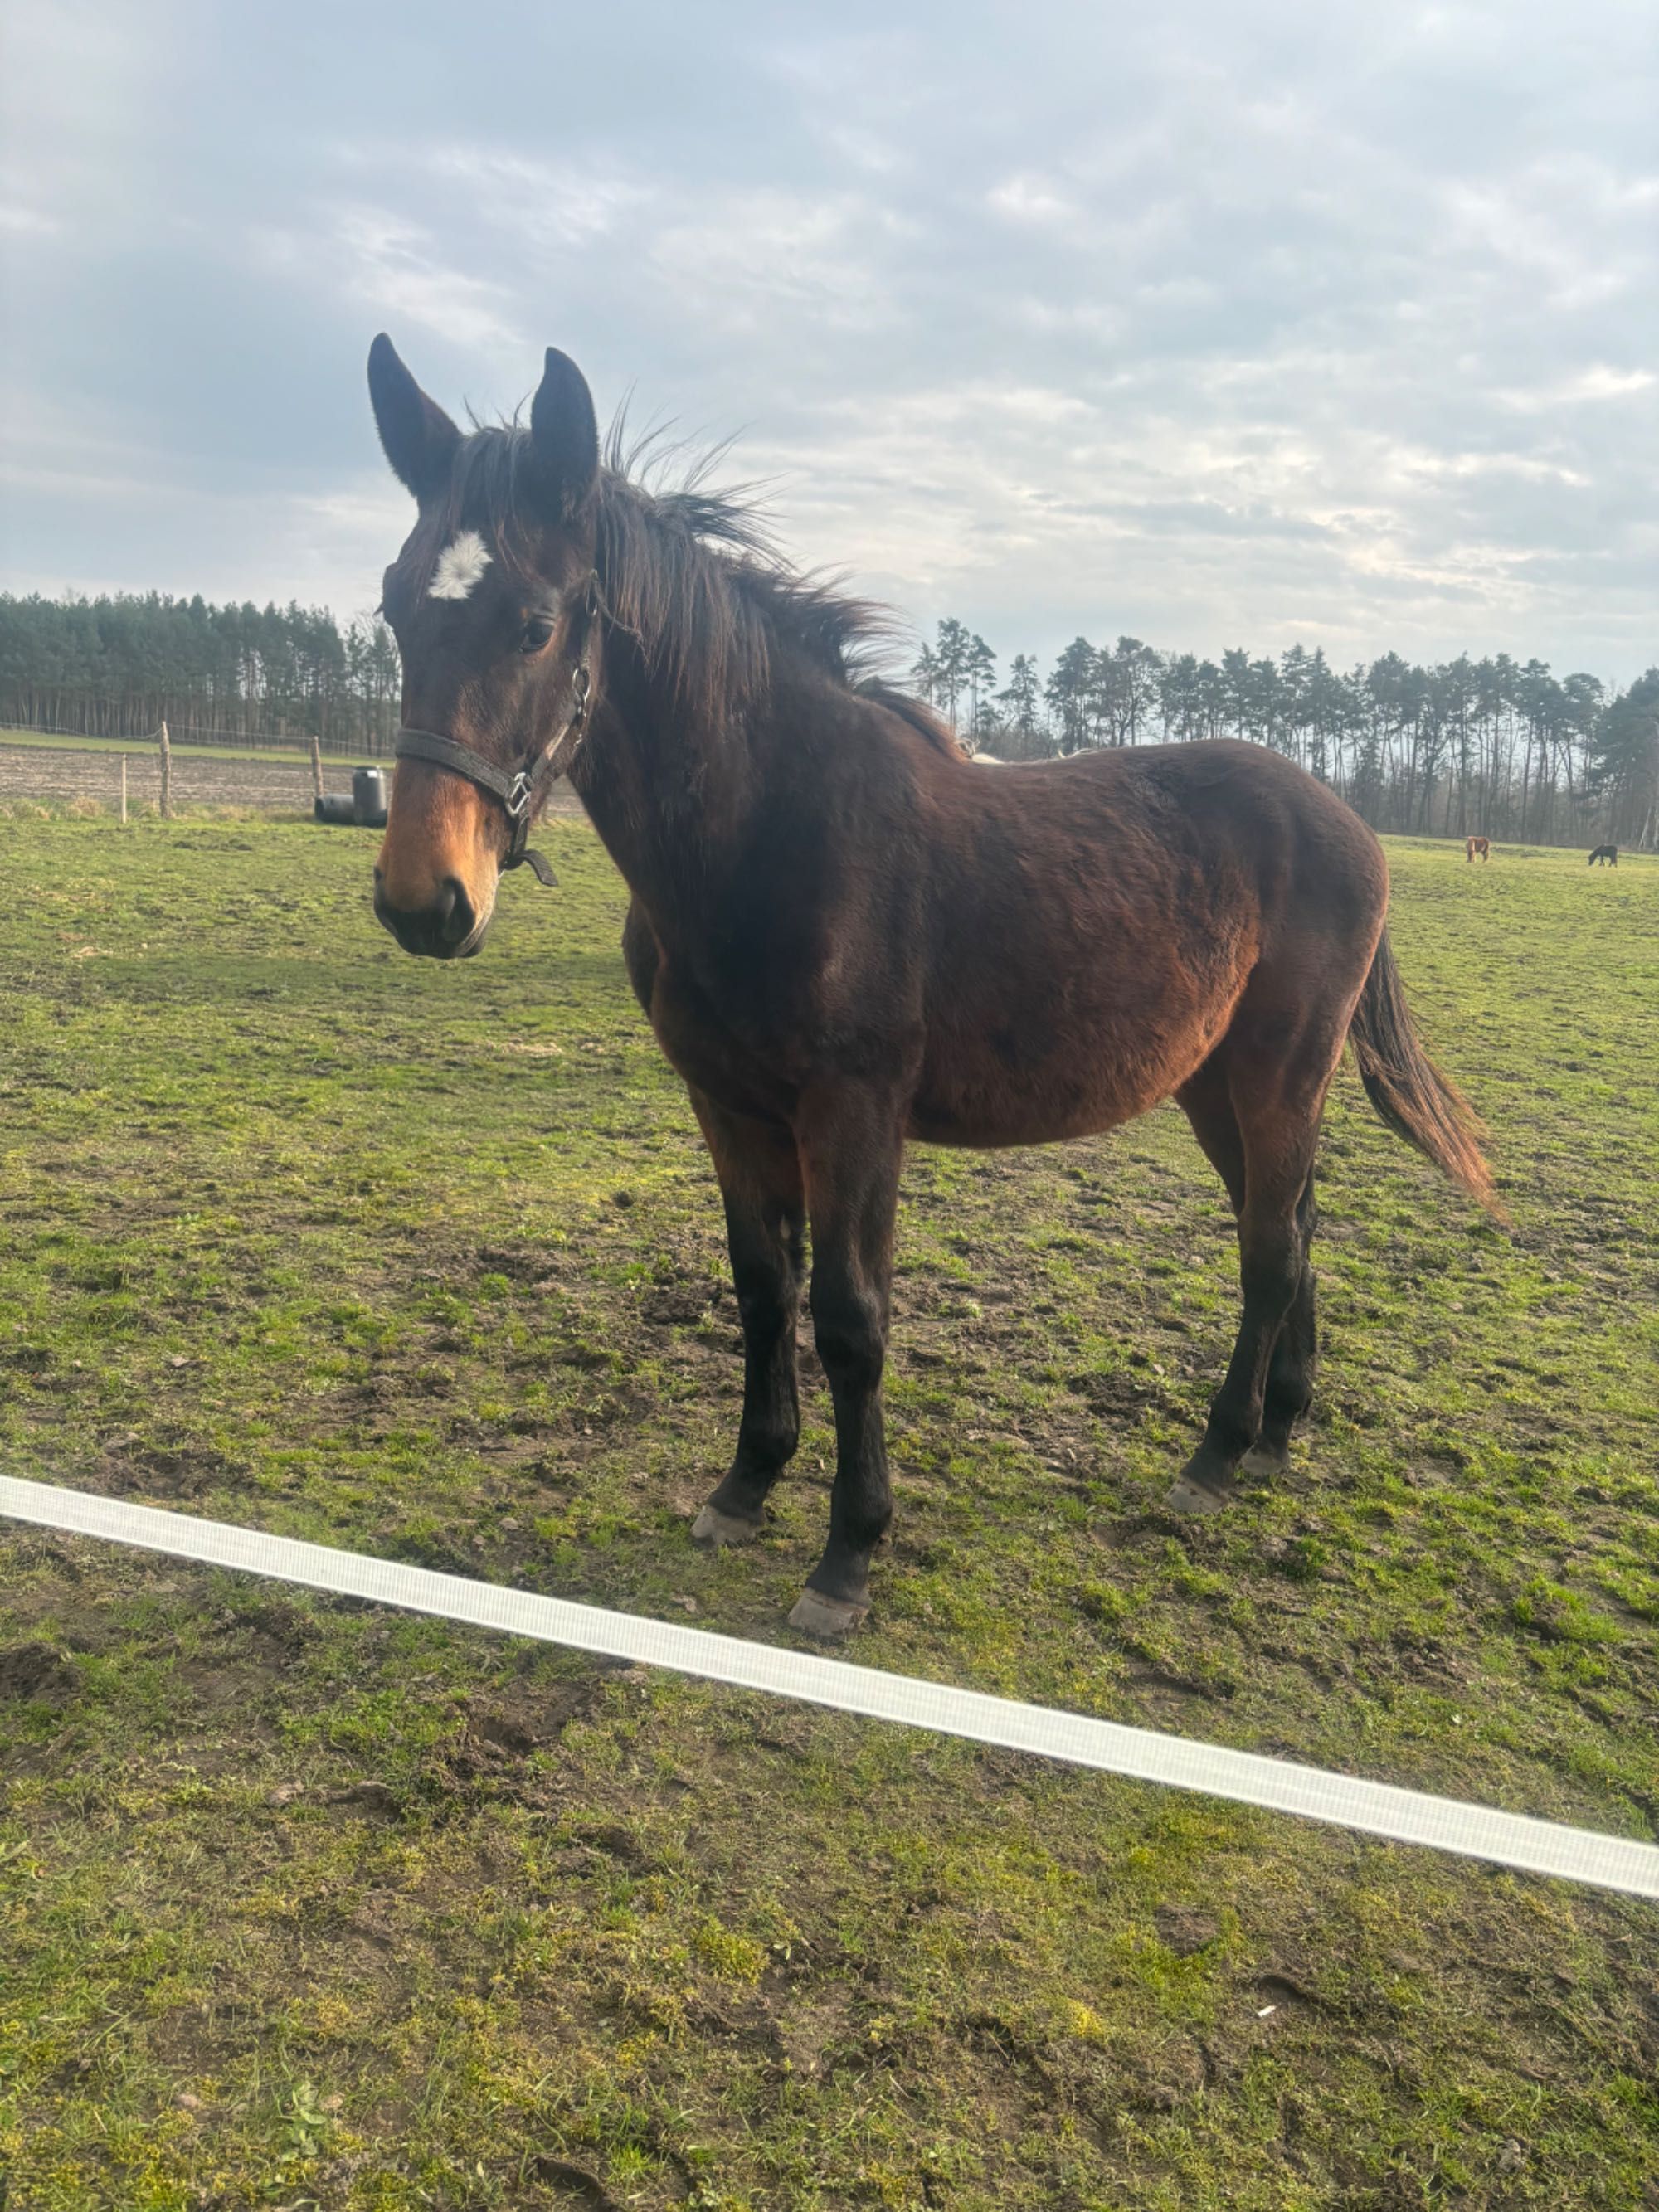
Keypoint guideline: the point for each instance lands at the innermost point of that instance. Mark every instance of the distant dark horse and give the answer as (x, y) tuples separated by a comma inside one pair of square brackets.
[(1610, 853), (1481, 845), (847, 935)]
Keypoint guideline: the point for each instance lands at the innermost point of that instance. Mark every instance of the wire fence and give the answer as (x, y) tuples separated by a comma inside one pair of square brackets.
[(153, 773), (364, 744)]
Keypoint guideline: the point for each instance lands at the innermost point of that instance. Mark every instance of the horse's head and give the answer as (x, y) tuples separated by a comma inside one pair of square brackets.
[(493, 602)]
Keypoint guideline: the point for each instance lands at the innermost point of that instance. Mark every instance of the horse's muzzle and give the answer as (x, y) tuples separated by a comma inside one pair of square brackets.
[(448, 929)]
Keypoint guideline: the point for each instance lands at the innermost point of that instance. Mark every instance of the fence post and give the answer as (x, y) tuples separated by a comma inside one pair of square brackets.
[(316, 767), (124, 791), (166, 776)]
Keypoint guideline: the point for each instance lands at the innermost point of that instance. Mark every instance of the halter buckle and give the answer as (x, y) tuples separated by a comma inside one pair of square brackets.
[(516, 800)]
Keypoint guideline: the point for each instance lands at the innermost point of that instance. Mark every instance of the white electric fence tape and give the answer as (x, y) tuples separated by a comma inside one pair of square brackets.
[(1404, 1815)]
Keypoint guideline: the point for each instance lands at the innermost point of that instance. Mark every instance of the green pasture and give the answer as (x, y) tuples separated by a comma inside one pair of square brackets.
[(305, 1905)]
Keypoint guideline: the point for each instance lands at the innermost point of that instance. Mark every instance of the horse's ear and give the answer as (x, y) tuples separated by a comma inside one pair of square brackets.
[(564, 434), (419, 438)]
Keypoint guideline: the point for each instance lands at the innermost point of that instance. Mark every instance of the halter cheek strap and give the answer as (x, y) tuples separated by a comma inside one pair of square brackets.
[(522, 789)]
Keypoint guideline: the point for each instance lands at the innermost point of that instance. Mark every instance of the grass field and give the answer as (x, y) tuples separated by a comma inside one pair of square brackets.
[(308, 1906)]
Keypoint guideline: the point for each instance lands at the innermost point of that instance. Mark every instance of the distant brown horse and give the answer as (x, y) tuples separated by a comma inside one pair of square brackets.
[(1607, 854), (847, 936), (1482, 846)]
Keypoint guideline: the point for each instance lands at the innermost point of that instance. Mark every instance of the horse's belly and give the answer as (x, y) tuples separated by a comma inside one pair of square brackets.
[(991, 1106), (1027, 1079), (986, 1131)]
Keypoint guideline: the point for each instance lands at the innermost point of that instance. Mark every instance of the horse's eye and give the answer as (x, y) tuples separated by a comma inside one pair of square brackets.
[(536, 634)]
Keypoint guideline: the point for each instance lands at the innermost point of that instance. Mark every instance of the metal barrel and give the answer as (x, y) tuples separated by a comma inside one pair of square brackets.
[(368, 797)]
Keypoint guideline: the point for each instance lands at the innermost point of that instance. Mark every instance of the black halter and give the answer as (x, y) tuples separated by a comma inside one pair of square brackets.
[(520, 790)]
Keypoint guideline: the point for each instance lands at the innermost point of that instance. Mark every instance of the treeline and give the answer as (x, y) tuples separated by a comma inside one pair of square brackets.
[(116, 667), (1494, 747)]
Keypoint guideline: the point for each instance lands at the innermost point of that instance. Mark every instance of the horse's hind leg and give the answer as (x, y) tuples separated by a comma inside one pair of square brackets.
[(1273, 1075), (1288, 1392), (760, 1179), (1295, 1358)]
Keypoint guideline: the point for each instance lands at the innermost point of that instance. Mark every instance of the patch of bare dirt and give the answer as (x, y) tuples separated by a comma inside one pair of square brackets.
[(36, 1670)]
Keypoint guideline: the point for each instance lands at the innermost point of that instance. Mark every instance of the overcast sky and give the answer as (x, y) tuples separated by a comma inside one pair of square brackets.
[(1237, 322)]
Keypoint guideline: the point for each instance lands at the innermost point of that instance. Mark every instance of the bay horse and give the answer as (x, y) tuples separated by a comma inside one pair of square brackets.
[(847, 936), (1479, 845), (1607, 854)]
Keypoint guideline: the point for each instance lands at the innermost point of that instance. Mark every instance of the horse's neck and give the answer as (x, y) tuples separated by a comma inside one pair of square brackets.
[(671, 801)]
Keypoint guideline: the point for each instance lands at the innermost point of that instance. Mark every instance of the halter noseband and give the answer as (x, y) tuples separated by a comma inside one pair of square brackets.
[(522, 789)]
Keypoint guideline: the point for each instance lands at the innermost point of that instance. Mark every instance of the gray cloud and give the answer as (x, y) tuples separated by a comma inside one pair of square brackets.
[(1228, 326)]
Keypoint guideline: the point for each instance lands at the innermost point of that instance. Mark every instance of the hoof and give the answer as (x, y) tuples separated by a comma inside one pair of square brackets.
[(1186, 1496), (1265, 1461), (718, 1529), (831, 1619)]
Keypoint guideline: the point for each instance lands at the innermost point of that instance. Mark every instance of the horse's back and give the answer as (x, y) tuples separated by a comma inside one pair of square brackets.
[(1220, 818)]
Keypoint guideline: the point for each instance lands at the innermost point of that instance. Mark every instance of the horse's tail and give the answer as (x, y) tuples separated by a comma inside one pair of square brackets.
[(1408, 1091)]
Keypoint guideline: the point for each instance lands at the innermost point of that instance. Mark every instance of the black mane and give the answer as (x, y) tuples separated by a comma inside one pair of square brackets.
[(691, 571)]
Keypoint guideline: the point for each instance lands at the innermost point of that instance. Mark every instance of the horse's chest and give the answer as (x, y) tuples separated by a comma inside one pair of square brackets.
[(712, 1054)]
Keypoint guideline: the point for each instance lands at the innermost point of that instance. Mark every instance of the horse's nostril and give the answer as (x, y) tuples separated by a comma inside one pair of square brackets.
[(438, 929), (456, 916)]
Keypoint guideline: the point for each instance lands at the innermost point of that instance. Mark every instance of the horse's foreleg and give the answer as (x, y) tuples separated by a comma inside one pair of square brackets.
[(760, 1179), (851, 1145)]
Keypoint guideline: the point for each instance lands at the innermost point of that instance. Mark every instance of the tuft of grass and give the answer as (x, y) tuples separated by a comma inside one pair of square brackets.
[(308, 1903)]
